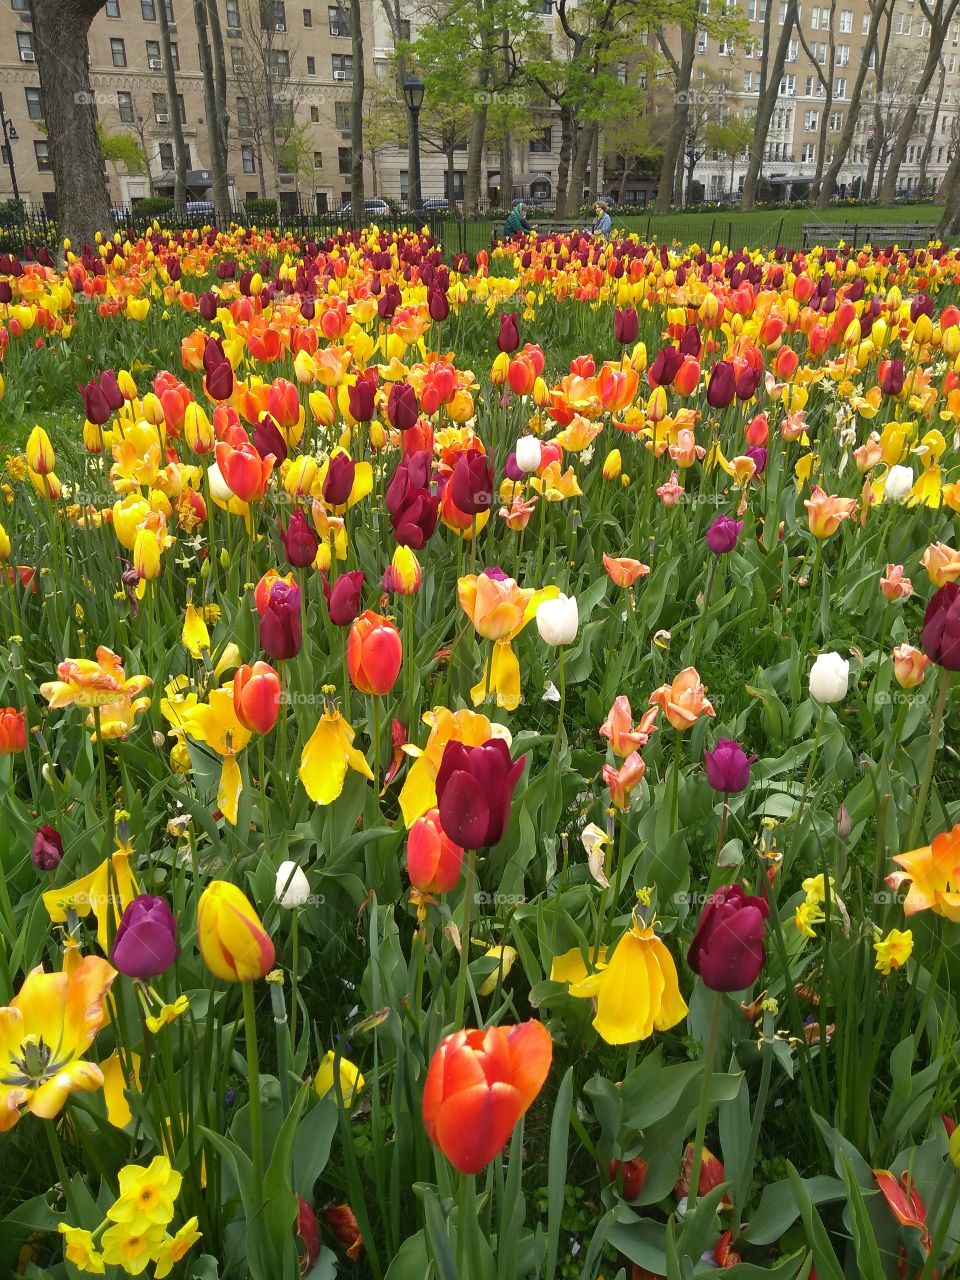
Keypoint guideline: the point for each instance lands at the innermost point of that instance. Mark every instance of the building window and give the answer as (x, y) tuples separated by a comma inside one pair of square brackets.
[(810, 121), (318, 159), (236, 58), (339, 20), (41, 150), (249, 164), (308, 17), (809, 153), (20, 6), (843, 55), (148, 10), (154, 61), (544, 143), (459, 177), (846, 21), (281, 64), (243, 113), (112, 9), (311, 66), (341, 111), (314, 115), (274, 15), (788, 86), (840, 88), (233, 14), (25, 46), (345, 159), (404, 184), (161, 108), (702, 42), (165, 152), (34, 104), (118, 52), (175, 55), (342, 66), (836, 121), (125, 106)]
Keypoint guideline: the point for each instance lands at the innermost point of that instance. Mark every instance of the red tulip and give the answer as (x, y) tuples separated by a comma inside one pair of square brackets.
[(343, 598), (402, 408), (374, 653), (479, 1085), (300, 541), (433, 859), (245, 473), (508, 338), (256, 696), (474, 789), (338, 482), (13, 731)]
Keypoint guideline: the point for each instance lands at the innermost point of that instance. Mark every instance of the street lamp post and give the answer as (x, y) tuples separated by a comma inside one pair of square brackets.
[(9, 136), (413, 90)]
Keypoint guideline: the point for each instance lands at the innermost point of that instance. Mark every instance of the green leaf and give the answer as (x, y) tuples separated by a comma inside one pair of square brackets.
[(557, 1166), (778, 1208), (824, 1257), (869, 1265)]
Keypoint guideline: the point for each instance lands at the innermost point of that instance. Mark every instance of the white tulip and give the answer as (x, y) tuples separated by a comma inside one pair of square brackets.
[(558, 620), (898, 484), (218, 485), (594, 840), (528, 453), (829, 677), (293, 888)]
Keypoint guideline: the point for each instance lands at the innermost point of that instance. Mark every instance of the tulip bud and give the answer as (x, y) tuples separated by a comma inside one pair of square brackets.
[(898, 483), (612, 465), (558, 620), (293, 887), (41, 458), (146, 941), (351, 1081), (47, 850), (256, 696), (528, 454), (727, 949), (727, 767), (404, 575), (433, 859)]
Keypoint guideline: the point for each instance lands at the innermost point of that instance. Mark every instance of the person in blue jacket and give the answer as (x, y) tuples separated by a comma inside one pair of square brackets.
[(602, 223), (515, 221)]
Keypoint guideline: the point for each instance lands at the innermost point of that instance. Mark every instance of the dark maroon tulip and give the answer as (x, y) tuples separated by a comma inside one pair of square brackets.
[(723, 534), (47, 851), (626, 325), (6, 292), (472, 483), (891, 377), (922, 305), (665, 366), (508, 339), (747, 381), (474, 789), (174, 270), (300, 541), (338, 481), (207, 305), (308, 308), (246, 280), (281, 628), (402, 408), (728, 767), (722, 386), (759, 455), (413, 511), (343, 598), (95, 406), (360, 395), (438, 305), (727, 948), (218, 370), (146, 941), (389, 301), (941, 627), (267, 439), (111, 389)]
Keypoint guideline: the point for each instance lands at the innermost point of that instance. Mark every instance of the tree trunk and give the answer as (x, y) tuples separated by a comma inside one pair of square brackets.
[(928, 145), (578, 169), (394, 15), (768, 100), (60, 36), (220, 206), (829, 179), (356, 118), (827, 107), (624, 176), (478, 132), (678, 179), (950, 194), (222, 197), (595, 165), (173, 103), (888, 188), (563, 163), (451, 174), (506, 168), (678, 126)]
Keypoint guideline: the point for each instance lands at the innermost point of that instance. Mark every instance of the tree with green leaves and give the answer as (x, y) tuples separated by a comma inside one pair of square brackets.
[(123, 152), (731, 138)]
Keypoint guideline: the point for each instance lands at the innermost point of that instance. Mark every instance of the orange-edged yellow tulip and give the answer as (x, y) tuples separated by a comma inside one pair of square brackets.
[(44, 1032), (934, 875), (232, 940), (684, 701), (327, 756), (495, 604), (92, 684), (637, 991), (942, 563), (41, 458)]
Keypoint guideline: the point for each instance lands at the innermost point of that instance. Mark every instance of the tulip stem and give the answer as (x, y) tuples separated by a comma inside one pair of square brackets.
[(562, 677), (675, 797), (253, 1078), (53, 1139), (936, 721), (806, 785), (743, 1184), (102, 768), (466, 1206), (814, 585), (469, 881), (703, 1109), (294, 976)]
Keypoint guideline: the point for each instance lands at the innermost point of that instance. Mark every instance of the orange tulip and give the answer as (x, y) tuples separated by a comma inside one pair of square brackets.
[(479, 1085), (942, 563), (893, 585), (244, 472), (256, 696), (826, 512), (683, 702), (495, 606), (618, 727), (623, 780), (934, 876), (909, 665), (13, 731), (623, 571), (374, 653)]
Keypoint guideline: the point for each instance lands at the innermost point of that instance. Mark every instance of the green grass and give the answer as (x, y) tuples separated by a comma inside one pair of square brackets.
[(760, 229)]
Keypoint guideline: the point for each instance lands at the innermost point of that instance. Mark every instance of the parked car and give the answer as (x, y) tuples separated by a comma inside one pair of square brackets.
[(199, 209), (379, 208), (437, 204)]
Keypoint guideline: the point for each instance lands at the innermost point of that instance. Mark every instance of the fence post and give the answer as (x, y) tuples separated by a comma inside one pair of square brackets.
[(779, 233), (713, 225)]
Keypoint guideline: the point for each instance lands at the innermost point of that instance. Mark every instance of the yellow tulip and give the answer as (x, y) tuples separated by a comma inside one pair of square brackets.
[(146, 555), (326, 757), (351, 1081), (41, 458), (4, 545), (232, 940)]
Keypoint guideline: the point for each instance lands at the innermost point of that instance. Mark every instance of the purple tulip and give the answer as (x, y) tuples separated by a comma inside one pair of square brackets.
[(281, 627), (146, 941), (474, 789), (722, 386), (338, 482), (300, 541), (759, 455), (941, 627), (343, 598), (728, 767), (723, 534), (47, 851)]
